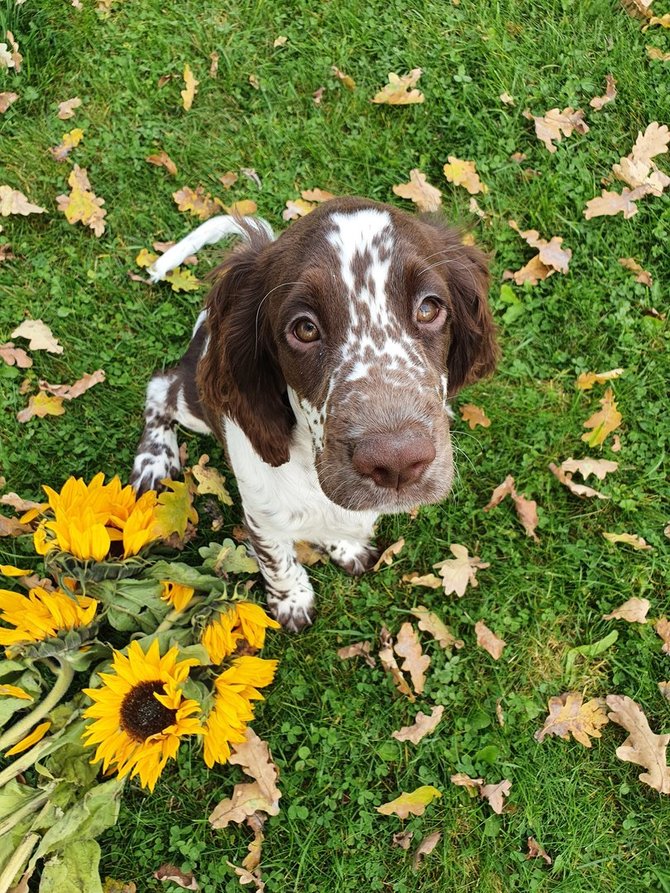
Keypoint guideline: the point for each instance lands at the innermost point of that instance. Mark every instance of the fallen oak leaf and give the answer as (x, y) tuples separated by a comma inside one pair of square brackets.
[(464, 173), (609, 95), (556, 124), (69, 142), (39, 406), (228, 179), (634, 610), (262, 795), (474, 415), (415, 662), (316, 195), (586, 380), (431, 623), (19, 504), (550, 253), (460, 779), (182, 280), (169, 872), (642, 276), (657, 55), (488, 640), (13, 527), (588, 466), (67, 108), (535, 851), (15, 356), (603, 422), (398, 90), (570, 715), (390, 665), (190, 89), (664, 688), (630, 539), (426, 847), (662, 628), (344, 79), (244, 207), (6, 99), (412, 803), (642, 746), (429, 580), (526, 509), (495, 794), (403, 839), (663, 21), (580, 490), (457, 572), (210, 480), (174, 509), (637, 169), (507, 488), (307, 555), (162, 159), (70, 392), (610, 203), (388, 554), (426, 197), (197, 202), (506, 98), (38, 335), (82, 205), (532, 272), (358, 649), (14, 202), (639, 9), (297, 208), (424, 724)]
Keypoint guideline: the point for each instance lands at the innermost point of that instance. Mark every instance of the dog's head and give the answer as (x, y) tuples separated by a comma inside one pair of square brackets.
[(356, 324)]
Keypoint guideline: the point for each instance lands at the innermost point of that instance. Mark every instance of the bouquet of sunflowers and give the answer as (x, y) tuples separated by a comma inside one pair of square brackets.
[(113, 657)]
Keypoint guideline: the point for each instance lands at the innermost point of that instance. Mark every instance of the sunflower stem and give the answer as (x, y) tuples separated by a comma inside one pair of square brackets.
[(20, 729), (13, 820), (25, 761), (19, 858), (168, 621)]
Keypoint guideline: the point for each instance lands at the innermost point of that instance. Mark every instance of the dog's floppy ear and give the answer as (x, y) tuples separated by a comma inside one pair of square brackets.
[(473, 351), (238, 375)]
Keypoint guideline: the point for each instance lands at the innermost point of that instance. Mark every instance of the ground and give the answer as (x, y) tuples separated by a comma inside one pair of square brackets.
[(329, 722)]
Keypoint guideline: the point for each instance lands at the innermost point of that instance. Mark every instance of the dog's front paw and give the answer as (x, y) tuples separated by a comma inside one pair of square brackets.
[(295, 610), (354, 558)]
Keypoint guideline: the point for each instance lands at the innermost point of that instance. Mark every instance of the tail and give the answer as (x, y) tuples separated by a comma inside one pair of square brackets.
[(208, 233)]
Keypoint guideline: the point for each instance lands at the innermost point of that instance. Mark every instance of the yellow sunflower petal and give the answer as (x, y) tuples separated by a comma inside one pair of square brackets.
[(8, 570), (36, 735), (13, 691)]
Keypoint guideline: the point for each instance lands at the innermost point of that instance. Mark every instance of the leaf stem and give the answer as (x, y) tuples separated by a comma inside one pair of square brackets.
[(21, 728)]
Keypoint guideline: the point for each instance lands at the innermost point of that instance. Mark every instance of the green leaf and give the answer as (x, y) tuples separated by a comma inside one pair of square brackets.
[(591, 650), (228, 558), (75, 869), (178, 572), (133, 604), (516, 307), (174, 510)]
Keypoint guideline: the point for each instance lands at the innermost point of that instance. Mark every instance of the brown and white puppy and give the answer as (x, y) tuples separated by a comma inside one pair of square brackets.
[(323, 360)]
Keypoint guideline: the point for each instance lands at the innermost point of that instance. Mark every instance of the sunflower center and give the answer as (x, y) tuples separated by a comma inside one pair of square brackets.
[(142, 715)]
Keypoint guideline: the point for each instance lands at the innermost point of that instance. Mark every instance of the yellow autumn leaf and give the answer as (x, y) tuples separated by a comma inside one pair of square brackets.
[(586, 380), (398, 90), (41, 405), (188, 94), (145, 258), (603, 422), (198, 202), (82, 205), (174, 510), (244, 207), (182, 280), (68, 143), (630, 539), (464, 173), (414, 802)]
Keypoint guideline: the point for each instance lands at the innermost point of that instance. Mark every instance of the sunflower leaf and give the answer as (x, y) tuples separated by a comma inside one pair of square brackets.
[(73, 870)]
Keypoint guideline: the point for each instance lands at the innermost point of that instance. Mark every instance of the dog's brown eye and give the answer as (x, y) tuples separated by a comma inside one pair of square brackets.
[(428, 310), (305, 331)]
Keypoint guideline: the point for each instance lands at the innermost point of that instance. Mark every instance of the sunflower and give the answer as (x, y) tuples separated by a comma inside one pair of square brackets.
[(177, 595), (235, 689), (140, 713), (42, 615), (87, 520), (239, 620)]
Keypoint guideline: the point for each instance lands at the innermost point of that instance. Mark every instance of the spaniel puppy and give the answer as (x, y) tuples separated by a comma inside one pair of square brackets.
[(323, 360)]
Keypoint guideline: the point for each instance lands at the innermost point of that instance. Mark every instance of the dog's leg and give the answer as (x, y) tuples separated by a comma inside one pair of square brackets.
[(290, 595), (354, 558), (157, 455)]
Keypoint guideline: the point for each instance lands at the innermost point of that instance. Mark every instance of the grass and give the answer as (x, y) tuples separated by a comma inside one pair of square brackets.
[(329, 723)]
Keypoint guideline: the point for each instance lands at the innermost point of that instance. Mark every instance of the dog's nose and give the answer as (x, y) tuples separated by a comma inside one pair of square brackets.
[(393, 461)]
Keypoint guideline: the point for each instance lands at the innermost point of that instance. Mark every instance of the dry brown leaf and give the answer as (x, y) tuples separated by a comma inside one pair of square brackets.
[(317, 195), (630, 539), (162, 159), (457, 572), (39, 406), (403, 839), (662, 628), (255, 83), (14, 202), (317, 95), (535, 851), (69, 142), (426, 847), (19, 504), (475, 208), (415, 661), (464, 781), (551, 253), (214, 65), (639, 9), (389, 664), (587, 466), (82, 205), (501, 491), (569, 715), (556, 124), (431, 623), (243, 207), (249, 872), (506, 99), (474, 415), (38, 335), (423, 725), (13, 527), (210, 480), (228, 179), (15, 356), (306, 554), (398, 90), (642, 746), (426, 197), (637, 169), (610, 93), (657, 55), (71, 391), (13, 59), (6, 99), (580, 490), (413, 803), (429, 580), (663, 21), (190, 89), (464, 173), (604, 421), (262, 795), (297, 208), (611, 203), (280, 41), (634, 611), (358, 649), (643, 276), (664, 688), (488, 640), (495, 794), (388, 554), (586, 380), (197, 202), (526, 509), (169, 872), (532, 272), (66, 109), (346, 81)]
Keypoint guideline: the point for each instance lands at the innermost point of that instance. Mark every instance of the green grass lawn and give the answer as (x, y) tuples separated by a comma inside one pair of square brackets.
[(329, 722)]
